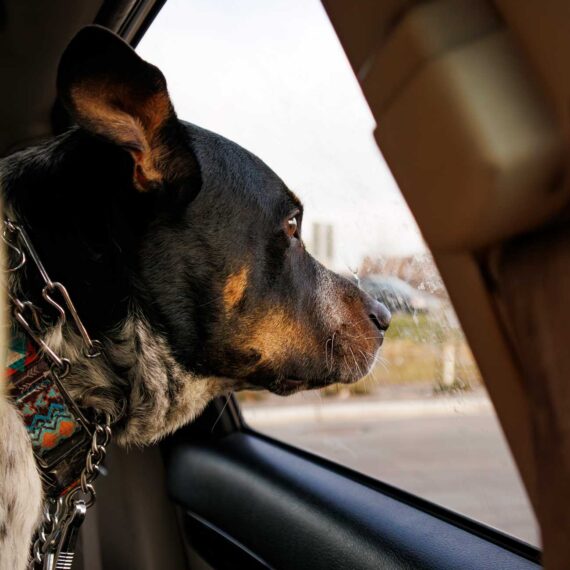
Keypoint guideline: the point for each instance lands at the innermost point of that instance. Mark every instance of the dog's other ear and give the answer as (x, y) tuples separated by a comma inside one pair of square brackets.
[(110, 91)]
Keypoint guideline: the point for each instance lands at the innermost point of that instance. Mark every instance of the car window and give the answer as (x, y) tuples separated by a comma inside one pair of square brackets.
[(273, 77)]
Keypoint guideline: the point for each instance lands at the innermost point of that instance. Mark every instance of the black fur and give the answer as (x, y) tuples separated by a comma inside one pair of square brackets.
[(170, 251)]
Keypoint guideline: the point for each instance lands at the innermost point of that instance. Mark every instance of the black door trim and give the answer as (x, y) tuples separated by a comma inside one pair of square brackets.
[(294, 510)]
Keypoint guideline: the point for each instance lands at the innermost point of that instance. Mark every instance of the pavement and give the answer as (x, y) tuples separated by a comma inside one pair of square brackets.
[(365, 410), (449, 450)]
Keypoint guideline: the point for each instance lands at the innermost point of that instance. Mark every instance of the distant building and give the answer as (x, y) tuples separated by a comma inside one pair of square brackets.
[(322, 243)]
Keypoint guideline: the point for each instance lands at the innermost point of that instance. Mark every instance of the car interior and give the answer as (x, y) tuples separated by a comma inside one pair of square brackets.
[(471, 99)]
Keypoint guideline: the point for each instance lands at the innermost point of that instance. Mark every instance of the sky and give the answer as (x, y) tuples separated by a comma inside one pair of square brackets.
[(272, 76)]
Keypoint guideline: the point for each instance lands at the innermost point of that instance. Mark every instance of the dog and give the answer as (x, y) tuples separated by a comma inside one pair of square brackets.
[(184, 256)]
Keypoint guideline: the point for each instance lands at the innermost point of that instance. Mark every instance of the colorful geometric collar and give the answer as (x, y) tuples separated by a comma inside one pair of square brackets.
[(59, 440)]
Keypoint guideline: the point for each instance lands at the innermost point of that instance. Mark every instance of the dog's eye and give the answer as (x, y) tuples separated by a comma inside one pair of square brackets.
[(293, 227)]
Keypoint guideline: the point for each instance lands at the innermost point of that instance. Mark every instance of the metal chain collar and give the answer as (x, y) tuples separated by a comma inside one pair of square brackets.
[(54, 544)]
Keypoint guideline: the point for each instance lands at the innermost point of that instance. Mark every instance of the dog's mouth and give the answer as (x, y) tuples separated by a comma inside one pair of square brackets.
[(341, 358), (349, 366), (291, 385)]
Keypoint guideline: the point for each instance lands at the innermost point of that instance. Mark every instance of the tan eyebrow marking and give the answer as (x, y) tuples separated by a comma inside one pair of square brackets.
[(235, 287)]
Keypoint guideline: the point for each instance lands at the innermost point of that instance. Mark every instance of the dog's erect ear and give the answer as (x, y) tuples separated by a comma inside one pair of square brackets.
[(112, 92)]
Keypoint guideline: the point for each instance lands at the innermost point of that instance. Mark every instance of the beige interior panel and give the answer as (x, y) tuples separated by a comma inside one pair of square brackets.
[(542, 30), (534, 286), (364, 24), (422, 34), (496, 168)]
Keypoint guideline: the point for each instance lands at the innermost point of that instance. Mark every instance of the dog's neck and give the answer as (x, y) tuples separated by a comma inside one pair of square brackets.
[(137, 380)]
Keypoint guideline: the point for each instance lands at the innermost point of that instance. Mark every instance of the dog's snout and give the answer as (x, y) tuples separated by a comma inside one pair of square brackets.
[(379, 315)]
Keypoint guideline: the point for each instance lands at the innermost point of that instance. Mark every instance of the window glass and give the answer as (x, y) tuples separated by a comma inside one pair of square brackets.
[(273, 77)]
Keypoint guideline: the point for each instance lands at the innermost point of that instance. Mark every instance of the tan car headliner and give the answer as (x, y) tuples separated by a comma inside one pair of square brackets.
[(32, 38)]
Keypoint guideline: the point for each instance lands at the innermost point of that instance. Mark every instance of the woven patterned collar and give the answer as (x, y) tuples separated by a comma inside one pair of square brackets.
[(57, 437)]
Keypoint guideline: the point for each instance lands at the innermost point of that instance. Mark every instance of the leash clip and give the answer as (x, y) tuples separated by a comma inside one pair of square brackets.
[(62, 558)]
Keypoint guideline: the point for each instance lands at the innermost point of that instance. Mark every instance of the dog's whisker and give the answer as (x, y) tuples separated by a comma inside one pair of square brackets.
[(346, 363), (356, 363), (372, 370), (327, 355), (384, 363)]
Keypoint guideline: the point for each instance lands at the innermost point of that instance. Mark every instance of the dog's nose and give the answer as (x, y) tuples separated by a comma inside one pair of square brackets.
[(379, 315)]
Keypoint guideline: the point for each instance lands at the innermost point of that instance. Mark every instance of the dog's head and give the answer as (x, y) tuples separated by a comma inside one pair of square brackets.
[(201, 233)]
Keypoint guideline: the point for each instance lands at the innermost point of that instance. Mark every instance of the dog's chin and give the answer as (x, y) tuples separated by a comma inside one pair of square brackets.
[(285, 384), (289, 386)]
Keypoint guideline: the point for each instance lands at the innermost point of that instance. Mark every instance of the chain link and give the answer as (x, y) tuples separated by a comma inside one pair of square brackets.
[(95, 456), (58, 514), (53, 512)]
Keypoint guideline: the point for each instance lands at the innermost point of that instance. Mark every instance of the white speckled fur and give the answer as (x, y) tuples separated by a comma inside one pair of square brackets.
[(160, 395), (153, 391), (20, 490)]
